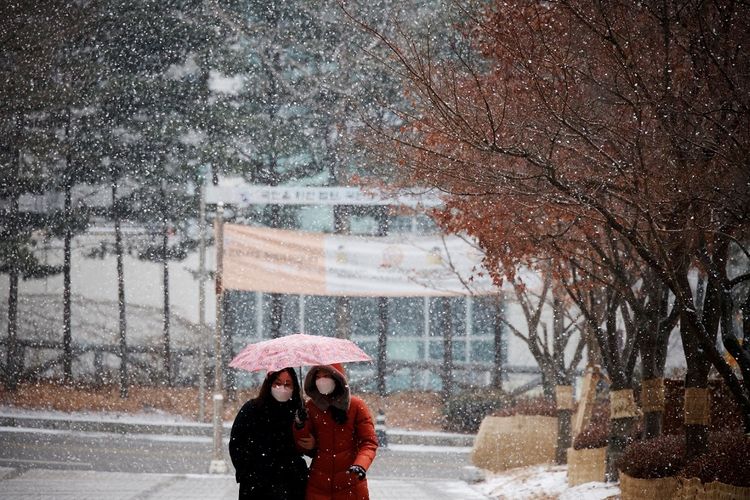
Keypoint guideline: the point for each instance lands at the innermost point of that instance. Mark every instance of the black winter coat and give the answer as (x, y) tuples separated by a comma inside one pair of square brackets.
[(266, 461)]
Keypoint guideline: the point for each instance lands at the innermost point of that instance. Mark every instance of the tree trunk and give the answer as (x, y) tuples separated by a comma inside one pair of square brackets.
[(564, 403), (122, 325), (341, 225), (382, 344), (382, 360), (548, 379), (498, 368), (277, 306), (658, 326), (738, 351), (652, 398), (652, 417), (67, 336), (277, 311), (68, 186), (703, 330), (11, 363), (447, 372), (620, 435), (166, 350), (696, 378), (622, 417), (227, 351), (11, 366)]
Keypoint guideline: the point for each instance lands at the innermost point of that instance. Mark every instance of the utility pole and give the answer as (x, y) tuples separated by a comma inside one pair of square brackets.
[(202, 304), (218, 465)]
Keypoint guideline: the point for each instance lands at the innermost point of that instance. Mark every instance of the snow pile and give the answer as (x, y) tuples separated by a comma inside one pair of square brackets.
[(542, 481)]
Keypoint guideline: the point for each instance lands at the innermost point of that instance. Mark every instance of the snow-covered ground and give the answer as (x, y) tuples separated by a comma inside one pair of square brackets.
[(540, 482)]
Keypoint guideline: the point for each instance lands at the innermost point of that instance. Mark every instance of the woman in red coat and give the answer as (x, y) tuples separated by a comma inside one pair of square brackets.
[(343, 443)]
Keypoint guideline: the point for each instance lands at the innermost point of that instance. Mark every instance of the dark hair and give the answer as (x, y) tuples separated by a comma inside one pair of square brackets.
[(264, 395)]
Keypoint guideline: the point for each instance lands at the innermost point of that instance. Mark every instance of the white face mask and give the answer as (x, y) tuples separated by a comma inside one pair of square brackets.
[(325, 385), (281, 394)]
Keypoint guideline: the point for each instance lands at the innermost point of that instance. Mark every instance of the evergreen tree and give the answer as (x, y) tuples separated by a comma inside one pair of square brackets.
[(156, 99), (30, 33)]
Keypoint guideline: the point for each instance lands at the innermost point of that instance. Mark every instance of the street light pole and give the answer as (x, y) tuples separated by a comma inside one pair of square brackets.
[(218, 465), (202, 304)]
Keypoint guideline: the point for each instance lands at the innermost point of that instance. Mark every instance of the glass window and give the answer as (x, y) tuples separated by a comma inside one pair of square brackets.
[(459, 351), (485, 319), (457, 306), (484, 315), (364, 316), (320, 315), (400, 224), (426, 225), (482, 351), (317, 219), (239, 315), (289, 314), (370, 347), (436, 350), (404, 349), (406, 316), (364, 224)]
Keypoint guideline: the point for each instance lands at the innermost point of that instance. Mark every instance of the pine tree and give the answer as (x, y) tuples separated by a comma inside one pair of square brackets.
[(30, 33)]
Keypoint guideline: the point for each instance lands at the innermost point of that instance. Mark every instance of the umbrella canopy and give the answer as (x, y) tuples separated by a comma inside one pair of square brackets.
[(299, 349)]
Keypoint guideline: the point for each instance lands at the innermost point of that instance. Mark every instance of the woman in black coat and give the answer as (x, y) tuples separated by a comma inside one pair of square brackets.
[(267, 463)]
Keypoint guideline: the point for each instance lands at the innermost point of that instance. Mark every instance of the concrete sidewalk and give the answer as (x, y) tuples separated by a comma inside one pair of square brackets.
[(82, 485)]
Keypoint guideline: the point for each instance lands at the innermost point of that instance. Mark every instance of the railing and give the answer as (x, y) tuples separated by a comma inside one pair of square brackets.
[(139, 369)]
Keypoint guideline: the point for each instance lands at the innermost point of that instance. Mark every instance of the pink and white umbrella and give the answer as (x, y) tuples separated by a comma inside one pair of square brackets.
[(299, 349)]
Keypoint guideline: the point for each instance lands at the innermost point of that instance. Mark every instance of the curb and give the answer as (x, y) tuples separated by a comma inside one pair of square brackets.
[(108, 426)]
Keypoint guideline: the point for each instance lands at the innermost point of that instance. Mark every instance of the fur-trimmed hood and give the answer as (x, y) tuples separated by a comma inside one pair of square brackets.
[(340, 398)]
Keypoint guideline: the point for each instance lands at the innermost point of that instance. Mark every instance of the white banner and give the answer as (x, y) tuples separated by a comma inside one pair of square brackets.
[(295, 262), (238, 192)]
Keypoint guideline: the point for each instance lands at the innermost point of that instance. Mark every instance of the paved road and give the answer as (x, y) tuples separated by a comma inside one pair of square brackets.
[(53, 449), (45, 484), (52, 464)]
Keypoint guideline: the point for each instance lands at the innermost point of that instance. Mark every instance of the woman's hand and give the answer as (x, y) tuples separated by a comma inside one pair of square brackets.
[(300, 416), (358, 471), (306, 443)]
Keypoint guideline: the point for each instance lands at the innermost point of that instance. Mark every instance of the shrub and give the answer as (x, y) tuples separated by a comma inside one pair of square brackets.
[(596, 432), (529, 406), (466, 410), (726, 460), (663, 456)]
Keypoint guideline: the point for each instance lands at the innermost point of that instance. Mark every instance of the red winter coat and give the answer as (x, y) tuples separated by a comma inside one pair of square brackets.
[(337, 446)]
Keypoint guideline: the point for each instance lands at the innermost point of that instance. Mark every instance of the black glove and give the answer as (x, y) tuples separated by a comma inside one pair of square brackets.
[(358, 470), (300, 417)]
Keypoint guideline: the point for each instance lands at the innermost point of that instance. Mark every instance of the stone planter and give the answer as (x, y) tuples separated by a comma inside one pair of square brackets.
[(506, 442), (586, 466), (693, 489), (632, 488)]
